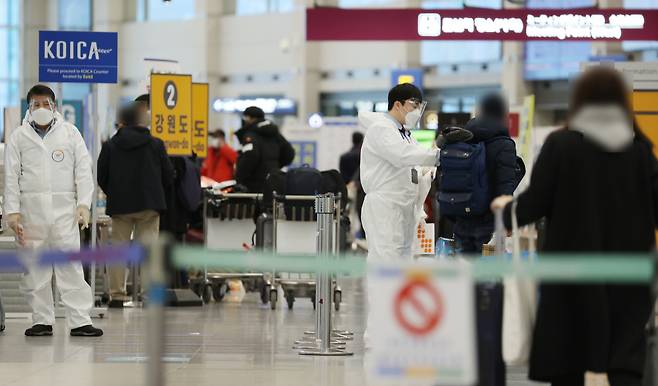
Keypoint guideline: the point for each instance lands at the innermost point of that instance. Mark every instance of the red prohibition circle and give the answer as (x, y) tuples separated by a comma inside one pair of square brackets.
[(431, 317)]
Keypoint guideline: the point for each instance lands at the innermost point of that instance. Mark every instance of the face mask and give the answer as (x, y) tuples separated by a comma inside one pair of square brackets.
[(42, 116), (411, 119), (213, 142)]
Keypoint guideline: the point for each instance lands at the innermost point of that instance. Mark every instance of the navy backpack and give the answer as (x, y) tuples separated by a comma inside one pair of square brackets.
[(464, 186)]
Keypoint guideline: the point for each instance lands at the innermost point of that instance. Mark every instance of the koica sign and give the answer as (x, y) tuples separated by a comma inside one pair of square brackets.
[(80, 57)]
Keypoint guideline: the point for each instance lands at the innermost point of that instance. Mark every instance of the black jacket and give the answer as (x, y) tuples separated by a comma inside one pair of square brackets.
[(349, 163), (264, 150), (134, 171), (593, 201), (501, 170), (177, 218)]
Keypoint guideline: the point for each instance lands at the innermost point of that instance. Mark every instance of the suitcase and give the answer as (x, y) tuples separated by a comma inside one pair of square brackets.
[(489, 322)]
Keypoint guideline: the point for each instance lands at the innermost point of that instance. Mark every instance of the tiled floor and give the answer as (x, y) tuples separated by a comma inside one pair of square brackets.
[(220, 344)]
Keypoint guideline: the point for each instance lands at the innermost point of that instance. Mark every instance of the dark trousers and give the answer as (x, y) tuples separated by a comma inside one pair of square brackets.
[(615, 378), (471, 234)]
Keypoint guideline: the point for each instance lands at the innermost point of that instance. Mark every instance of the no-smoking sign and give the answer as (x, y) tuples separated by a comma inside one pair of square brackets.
[(419, 307)]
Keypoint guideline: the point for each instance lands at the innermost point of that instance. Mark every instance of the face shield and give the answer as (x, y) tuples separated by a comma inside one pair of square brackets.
[(42, 111), (413, 117)]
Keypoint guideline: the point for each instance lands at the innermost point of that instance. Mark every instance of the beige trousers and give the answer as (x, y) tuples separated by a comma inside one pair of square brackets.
[(144, 226)]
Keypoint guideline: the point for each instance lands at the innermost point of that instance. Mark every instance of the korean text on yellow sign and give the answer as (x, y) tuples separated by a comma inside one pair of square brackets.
[(200, 119), (171, 112)]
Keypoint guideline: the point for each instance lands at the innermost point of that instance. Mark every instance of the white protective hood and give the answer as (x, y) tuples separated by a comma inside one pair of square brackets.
[(606, 125)]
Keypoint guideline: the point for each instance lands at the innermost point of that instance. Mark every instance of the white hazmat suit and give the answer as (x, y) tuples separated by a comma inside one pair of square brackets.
[(46, 180), (389, 217), (388, 155)]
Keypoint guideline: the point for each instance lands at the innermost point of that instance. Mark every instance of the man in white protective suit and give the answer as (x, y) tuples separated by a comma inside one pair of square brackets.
[(48, 193), (390, 175), (388, 159)]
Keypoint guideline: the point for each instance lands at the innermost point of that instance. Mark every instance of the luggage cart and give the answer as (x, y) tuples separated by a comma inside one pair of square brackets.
[(229, 225), (294, 230)]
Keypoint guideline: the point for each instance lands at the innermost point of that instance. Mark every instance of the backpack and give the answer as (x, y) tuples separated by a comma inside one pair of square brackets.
[(464, 185), (189, 188)]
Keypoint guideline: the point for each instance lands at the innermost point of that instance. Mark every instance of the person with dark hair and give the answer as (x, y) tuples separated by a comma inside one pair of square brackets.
[(489, 127), (349, 161), (264, 150), (48, 193), (134, 172), (220, 163), (596, 183), (389, 172)]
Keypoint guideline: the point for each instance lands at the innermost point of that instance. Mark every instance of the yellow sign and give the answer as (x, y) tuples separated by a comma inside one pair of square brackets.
[(200, 119), (171, 112), (406, 78)]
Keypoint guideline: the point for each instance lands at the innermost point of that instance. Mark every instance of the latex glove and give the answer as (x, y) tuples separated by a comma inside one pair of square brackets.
[(82, 214), (14, 222), (500, 202)]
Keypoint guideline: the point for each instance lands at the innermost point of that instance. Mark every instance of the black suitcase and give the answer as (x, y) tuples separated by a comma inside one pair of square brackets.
[(489, 322)]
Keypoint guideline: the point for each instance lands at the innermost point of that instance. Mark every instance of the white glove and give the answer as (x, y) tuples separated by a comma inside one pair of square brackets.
[(14, 222), (82, 214)]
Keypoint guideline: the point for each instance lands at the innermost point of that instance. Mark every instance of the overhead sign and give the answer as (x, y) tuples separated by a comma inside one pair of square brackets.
[(171, 112), (78, 57), (413, 76), (200, 105), (276, 106), (425, 330), (481, 24)]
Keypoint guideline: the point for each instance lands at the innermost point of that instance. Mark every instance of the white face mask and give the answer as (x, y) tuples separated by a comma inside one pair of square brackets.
[(411, 119), (42, 116), (213, 142)]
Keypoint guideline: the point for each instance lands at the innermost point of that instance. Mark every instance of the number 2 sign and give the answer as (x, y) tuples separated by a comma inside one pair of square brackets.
[(171, 112)]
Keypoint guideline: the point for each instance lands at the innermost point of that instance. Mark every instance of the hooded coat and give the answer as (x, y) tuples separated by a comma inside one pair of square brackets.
[(264, 151), (134, 172), (594, 200)]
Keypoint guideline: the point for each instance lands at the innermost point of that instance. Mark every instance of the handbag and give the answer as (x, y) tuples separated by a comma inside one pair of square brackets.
[(519, 308)]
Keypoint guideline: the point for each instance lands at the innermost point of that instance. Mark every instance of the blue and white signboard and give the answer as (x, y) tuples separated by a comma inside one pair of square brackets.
[(78, 56)]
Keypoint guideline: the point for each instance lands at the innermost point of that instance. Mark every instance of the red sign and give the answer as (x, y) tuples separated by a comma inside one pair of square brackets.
[(481, 24), (419, 307), (514, 124)]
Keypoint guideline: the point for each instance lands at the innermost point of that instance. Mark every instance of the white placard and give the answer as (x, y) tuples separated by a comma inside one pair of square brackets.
[(425, 330)]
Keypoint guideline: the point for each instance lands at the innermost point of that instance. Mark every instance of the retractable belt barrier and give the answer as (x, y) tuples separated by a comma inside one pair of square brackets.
[(585, 268), (162, 256)]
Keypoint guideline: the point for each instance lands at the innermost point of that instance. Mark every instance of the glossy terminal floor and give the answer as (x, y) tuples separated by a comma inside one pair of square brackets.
[(218, 344)]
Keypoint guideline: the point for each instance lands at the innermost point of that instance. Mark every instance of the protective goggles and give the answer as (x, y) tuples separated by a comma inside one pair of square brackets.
[(47, 104)]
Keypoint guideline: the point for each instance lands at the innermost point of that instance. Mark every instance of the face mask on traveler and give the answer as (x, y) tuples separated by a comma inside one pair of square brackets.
[(213, 142)]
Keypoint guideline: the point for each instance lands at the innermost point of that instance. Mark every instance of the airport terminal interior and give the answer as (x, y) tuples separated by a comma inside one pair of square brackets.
[(328, 192)]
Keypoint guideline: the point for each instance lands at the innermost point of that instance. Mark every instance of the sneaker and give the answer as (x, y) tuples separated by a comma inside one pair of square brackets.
[(39, 330), (87, 330), (2, 327)]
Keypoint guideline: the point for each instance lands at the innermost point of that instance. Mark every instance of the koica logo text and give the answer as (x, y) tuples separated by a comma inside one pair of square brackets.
[(73, 50)]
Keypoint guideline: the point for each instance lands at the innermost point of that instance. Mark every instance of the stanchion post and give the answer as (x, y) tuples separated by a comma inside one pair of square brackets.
[(325, 208), (158, 253)]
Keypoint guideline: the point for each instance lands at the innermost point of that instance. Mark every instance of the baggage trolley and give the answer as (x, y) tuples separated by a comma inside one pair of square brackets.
[(228, 225), (294, 230)]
